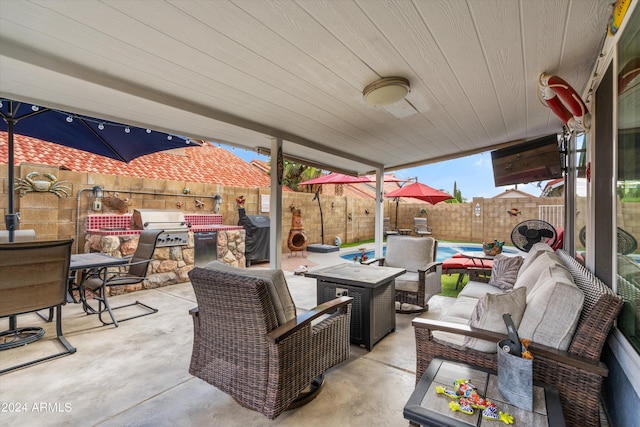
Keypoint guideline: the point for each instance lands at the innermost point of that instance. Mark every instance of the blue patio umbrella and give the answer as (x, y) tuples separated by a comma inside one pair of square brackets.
[(105, 138)]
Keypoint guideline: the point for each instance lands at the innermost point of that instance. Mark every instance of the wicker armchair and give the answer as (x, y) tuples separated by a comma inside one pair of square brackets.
[(577, 374), (423, 278), (249, 343)]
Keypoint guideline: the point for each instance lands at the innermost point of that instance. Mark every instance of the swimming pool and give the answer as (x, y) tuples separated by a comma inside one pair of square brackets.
[(445, 250)]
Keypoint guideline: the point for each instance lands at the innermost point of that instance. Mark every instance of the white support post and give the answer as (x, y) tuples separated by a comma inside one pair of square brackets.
[(275, 205)]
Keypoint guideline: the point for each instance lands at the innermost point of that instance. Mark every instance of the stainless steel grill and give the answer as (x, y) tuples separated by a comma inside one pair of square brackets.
[(176, 229)]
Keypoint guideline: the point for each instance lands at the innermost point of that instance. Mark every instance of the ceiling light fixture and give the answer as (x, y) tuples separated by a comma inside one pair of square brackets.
[(385, 91)]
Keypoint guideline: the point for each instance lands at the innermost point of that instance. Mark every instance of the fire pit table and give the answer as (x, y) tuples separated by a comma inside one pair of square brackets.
[(373, 313)]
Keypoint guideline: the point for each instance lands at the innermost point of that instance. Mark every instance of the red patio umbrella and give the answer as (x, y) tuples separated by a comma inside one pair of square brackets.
[(422, 192)]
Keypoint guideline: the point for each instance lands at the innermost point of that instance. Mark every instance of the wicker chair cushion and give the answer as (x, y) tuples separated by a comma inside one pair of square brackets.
[(410, 253), (505, 271), (276, 284), (409, 281), (488, 313), (553, 309)]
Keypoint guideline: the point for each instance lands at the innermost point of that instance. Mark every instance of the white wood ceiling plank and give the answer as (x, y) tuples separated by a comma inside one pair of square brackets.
[(356, 31), (414, 41), (347, 22), (543, 24), (583, 29), (170, 53), (457, 36), (223, 92), (298, 68), (502, 45)]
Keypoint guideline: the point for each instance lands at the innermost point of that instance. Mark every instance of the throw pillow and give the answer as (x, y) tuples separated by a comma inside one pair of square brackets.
[(488, 313), (505, 271)]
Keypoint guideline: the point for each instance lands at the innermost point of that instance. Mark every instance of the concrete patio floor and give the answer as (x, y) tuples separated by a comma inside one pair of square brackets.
[(137, 374)]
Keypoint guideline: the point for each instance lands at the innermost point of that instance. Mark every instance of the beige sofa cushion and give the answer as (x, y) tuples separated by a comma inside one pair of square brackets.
[(276, 285), (488, 313), (534, 252), (553, 309), (462, 308), (530, 278), (478, 289)]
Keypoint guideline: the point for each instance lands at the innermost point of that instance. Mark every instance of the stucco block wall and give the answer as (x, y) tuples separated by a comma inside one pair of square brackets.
[(347, 218)]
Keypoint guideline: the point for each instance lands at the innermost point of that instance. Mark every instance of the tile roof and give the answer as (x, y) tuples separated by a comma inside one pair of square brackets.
[(206, 163)]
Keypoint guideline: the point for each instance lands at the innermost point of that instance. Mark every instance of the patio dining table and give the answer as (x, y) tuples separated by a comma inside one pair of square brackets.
[(85, 264)]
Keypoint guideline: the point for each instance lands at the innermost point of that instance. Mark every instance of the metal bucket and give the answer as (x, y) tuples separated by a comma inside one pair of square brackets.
[(515, 378)]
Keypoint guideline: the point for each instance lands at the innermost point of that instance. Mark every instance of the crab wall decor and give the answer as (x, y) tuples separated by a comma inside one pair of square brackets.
[(29, 184)]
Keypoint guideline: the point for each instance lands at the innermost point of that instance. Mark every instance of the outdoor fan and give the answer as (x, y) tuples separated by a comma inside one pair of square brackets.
[(529, 232)]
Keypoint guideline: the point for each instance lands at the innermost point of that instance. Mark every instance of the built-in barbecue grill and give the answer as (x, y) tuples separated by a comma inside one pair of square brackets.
[(176, 229)]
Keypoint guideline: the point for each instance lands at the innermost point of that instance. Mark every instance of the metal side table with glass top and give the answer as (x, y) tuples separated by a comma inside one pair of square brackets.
[(426, 407)]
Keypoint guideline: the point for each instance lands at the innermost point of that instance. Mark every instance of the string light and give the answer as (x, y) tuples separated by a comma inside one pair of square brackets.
[(100, 124)]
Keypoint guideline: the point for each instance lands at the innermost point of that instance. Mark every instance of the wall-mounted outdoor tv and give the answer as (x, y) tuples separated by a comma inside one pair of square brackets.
[(536, 160)]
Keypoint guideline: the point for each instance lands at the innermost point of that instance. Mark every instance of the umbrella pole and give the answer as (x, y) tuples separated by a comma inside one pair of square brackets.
[(317, 197), (397, 200), (11, 218)]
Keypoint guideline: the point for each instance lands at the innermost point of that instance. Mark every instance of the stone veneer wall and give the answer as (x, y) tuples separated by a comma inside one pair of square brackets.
[(171, 264)]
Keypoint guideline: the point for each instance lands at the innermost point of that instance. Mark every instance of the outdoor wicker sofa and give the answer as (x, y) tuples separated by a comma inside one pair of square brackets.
[(250, 344), (576, 373)]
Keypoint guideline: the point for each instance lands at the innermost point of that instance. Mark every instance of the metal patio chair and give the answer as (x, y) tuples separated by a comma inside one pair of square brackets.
[(33, 276), (136, 271), (421, 228)]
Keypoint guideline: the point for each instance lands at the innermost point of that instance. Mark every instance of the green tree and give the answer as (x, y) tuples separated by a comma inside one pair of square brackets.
[(457, 195), (294, 173)]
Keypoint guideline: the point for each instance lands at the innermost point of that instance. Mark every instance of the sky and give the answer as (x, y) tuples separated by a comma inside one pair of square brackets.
[(472, 174)]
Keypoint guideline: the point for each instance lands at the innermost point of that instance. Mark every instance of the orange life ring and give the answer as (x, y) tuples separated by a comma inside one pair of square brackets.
[(565, 103)]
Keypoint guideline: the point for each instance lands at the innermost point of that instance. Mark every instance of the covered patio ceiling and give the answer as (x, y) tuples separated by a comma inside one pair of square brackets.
[(244, 72)]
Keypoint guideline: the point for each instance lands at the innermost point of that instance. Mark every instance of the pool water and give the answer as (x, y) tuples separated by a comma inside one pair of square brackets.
[(445, 251)]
